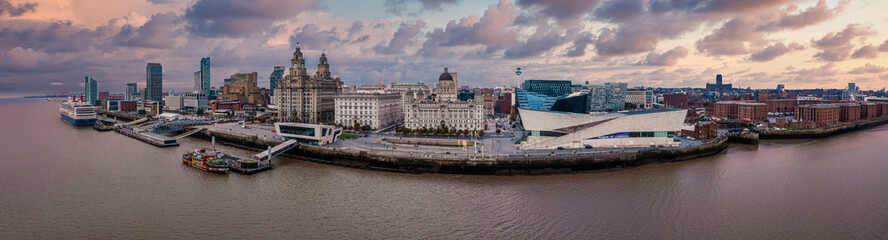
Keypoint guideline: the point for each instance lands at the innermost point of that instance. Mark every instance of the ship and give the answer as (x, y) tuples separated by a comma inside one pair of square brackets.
[(78, 113), (203, 159)]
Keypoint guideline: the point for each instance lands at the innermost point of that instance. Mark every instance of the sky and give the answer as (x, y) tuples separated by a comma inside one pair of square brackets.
[(50, 45)]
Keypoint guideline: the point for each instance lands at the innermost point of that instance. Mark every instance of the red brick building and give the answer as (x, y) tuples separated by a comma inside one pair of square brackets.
[(781, 105), (676, 100), (725, 110), (819, 115), (705, 130), (868, 110), (504, 104), (756, 112), (226, 105), (850, 112)]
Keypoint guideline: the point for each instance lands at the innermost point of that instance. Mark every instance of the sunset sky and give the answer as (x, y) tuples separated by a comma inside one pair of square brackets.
[(51, 45)]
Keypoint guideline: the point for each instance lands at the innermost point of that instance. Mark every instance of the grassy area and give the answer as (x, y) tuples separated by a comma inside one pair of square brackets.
[(349, 136)]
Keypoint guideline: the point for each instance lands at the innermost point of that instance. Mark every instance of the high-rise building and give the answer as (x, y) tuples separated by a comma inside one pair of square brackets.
[(131, 92), (197, 86), (308, 99), (154, 82), (275, 77), (90, 90), (610, 97), (553, 88), (205, 76)]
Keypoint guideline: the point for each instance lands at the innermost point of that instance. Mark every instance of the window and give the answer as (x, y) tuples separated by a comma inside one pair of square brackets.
[(298, 130)]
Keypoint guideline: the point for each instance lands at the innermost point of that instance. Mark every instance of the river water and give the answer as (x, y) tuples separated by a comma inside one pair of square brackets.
[(58, 181)]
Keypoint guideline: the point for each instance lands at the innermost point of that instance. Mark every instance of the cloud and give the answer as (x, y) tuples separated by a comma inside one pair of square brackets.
[(620, 10), (226, 18), (404, 37), (562, 10), (868, 51), (669, 58), (543, 40), (162, 1), (491, 30), (51, 37), (810, 16), (745, 33), (158, 32), (311, 36), (578, 48), (56, 84), (7, 8), (837, 46), (398, 7), (868, 68), (884, 47), (21, 59), (774, 51)]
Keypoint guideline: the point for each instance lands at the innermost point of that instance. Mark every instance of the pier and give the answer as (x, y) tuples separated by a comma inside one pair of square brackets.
[(148, 137)]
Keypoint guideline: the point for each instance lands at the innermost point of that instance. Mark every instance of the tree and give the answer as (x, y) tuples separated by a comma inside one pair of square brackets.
[(498, 131), (200, 111)]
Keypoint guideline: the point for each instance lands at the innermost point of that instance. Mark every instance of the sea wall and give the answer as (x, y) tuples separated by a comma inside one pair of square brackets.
[(530, 165), (820, 132)]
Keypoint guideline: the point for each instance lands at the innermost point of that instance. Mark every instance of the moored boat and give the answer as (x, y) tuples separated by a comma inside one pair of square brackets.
[(78, 113), (210, 161)]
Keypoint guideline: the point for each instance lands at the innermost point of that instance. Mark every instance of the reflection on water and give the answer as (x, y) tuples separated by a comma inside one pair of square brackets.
[(58, 181)]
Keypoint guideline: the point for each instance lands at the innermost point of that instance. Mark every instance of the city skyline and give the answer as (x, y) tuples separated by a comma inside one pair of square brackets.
[(48, 46)]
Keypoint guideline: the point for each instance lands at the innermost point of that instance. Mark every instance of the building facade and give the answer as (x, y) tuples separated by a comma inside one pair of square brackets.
[(610, 97), (204, 77), (154, 82), (90, 90), (446, 89), (131, 92), (445, 112), (756, 112), (678, 100), (820, 115), (552, 88), (376, 110), (243, 87), (275, 77), (173, 102), (551, 130), (644, 99), (308, 99), (194, 101)]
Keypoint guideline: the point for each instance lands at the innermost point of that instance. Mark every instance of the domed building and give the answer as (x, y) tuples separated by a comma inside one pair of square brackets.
[(446, 89), (445, 110)]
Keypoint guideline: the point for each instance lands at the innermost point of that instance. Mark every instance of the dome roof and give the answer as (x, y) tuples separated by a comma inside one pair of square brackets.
[(445, 76)]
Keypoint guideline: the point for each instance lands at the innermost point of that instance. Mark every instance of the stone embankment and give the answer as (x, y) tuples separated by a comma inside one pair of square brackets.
[(821, 132), (502, 165)]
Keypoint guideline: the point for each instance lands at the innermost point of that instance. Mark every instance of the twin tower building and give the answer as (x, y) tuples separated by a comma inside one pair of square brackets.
[(307, 99)]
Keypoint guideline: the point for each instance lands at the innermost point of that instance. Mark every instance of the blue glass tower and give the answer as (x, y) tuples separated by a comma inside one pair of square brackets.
[(90, 90), (154, 82), (275, 77), (205, 75)]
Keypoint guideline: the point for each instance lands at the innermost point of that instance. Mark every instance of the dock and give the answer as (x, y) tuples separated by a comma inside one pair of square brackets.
[(259, 162), (148, 137)]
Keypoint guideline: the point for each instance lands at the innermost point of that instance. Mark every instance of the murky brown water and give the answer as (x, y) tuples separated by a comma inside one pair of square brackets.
[(57, 181)]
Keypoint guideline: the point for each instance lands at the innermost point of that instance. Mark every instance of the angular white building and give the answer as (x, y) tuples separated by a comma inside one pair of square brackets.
[(550, 130)]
